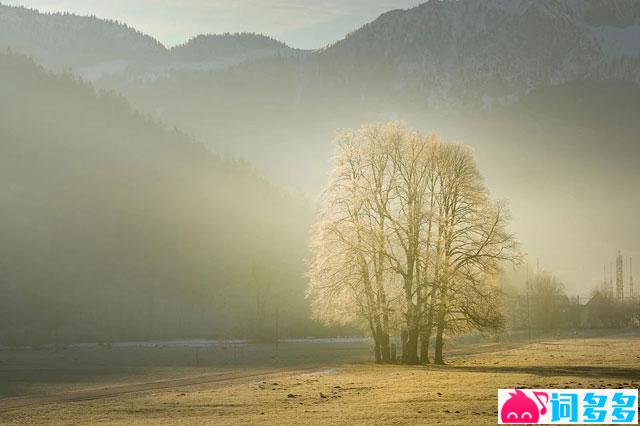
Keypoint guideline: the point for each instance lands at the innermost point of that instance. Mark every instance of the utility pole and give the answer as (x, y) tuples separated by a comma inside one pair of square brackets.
[(277, 334), (619, 277), (528, 304), (631, 292), (611, 280)]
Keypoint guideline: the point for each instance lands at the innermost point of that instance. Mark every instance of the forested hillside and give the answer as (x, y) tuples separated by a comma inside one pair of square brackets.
[(113, 228), (67, 41), (97, 49), (211, 47), (448, 54)]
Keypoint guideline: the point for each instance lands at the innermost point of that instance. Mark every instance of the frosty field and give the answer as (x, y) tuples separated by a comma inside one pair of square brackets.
[(462, 392)]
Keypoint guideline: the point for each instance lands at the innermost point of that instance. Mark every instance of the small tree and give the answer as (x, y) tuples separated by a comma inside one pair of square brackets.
[(547, 302)]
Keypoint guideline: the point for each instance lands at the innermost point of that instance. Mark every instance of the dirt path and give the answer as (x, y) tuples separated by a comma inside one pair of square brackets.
[(113, 391)]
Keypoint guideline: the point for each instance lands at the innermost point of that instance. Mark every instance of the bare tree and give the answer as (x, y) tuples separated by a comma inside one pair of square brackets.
[(407, 225), (474, 240), (410, 217), (348, 269)]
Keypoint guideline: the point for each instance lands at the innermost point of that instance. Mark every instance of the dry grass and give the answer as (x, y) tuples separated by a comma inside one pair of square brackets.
[(463, 392)]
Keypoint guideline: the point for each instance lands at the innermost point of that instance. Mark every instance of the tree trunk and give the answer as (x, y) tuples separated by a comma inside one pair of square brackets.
[(385, 350), (412, 347), (411, 334), (425, 336), (438, 359), (382, 344), (404, 338), (376, 350), (376, 343), (440, 325)]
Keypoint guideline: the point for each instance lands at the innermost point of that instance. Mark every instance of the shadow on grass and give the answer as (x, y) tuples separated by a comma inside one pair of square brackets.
[(29, 371), (560, 370)]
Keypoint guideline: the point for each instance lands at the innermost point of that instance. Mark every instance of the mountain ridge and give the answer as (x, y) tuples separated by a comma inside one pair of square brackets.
[(440, 51), (459, 48), (95, 48)]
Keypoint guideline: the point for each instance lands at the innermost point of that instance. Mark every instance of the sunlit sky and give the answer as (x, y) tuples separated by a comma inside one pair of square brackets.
[(304, 24)]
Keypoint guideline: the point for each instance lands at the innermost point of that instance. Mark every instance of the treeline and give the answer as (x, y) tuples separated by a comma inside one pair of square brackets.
[(538, 305), (62, 40), (113, 228), (605, 311), (408, 242)]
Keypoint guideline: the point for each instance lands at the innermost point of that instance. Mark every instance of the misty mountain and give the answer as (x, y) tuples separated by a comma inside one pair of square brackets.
[(444, 61), (439, 53), (87, 45), (114, 228), (95, 48), (445, 57), (490, 51)]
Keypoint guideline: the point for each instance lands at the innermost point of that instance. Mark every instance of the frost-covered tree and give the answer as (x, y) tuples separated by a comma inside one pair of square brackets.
[(407, 227), (349, 272), (473, 241)]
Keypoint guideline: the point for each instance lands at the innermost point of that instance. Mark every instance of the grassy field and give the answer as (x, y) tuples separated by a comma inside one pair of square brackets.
[(462, 392)]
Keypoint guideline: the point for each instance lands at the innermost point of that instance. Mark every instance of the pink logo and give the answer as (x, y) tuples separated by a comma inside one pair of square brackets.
[(519, 408)]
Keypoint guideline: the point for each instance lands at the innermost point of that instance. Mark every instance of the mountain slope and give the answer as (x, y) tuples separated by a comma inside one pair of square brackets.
[(84, 44), (490, 51), (445, 57), (485, 53), (96, 49), (113, 228)]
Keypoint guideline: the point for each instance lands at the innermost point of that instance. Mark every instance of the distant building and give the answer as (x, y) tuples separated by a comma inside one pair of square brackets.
[(590, 312)]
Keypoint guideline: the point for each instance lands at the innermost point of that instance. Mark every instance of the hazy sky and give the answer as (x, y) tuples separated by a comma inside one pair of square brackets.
[(299, 23)]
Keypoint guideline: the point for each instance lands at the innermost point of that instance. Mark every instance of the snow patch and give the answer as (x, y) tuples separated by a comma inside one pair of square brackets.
[(327, 372)]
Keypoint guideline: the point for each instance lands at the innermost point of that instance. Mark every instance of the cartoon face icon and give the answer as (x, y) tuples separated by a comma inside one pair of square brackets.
[(519, 408)]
